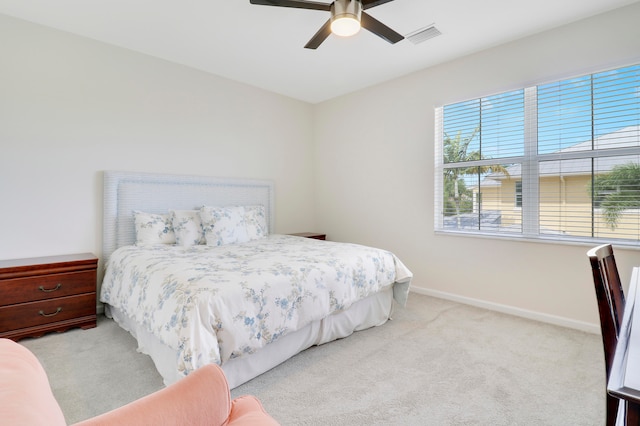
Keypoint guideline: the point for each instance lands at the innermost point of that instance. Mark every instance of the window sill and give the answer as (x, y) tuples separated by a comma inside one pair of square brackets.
[(576, 241)]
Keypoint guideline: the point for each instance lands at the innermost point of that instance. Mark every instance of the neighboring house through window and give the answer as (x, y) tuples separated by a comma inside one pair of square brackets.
[(559, 161)]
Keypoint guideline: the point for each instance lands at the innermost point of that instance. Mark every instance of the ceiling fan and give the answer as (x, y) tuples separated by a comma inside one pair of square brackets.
[(347, 16)]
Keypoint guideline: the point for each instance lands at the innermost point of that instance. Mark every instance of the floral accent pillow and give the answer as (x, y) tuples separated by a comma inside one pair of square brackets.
[(234, 224), (256, 222), (187, 227), (153, 229)]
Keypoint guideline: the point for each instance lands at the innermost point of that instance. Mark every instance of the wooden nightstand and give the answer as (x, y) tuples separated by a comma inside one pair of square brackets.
[(313, 235), (44, 294)]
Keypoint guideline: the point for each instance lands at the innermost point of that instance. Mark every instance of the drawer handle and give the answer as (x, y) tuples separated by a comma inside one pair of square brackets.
[(50, 315), (49, 290)]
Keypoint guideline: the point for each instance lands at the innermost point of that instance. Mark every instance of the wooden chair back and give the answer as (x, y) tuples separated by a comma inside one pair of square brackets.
[(611, 301)]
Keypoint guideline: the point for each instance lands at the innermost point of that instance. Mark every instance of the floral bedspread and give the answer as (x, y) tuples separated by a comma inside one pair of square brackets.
[(212, 304)]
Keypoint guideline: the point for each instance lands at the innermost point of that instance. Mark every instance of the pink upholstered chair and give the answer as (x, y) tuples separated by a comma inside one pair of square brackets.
[(202, 398)]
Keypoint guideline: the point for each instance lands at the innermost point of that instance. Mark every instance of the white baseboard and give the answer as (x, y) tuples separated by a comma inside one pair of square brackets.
[(537, 316)]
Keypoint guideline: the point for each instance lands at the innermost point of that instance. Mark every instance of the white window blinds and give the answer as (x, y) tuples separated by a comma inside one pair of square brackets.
[(560, 160)]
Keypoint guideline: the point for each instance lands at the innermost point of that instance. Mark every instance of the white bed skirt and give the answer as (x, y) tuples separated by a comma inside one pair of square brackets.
[(369, 312)]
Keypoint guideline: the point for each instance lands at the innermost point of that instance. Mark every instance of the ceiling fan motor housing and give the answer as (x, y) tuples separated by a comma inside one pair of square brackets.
[(346, 9)]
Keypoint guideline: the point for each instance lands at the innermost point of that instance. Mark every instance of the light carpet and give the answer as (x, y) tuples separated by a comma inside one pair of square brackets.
[(436, 363)]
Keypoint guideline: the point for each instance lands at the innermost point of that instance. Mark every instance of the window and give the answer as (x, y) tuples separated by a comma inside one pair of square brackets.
[(559, 161), (519, 193)]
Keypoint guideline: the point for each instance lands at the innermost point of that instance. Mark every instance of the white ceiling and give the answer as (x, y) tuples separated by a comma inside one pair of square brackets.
[(263, 45)]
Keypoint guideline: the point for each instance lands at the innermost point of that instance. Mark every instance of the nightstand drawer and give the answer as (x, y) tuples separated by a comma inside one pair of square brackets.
[(44, 287), (47, 311)]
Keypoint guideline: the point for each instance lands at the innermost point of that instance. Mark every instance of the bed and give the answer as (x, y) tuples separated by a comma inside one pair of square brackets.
[(237, 294)]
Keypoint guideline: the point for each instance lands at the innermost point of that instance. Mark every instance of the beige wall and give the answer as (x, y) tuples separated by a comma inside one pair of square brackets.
[(71, 107), (375, 167)]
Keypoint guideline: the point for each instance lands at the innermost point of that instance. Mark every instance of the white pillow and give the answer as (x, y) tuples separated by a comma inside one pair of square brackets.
[(153, 229), (234, 224), (187, 227)]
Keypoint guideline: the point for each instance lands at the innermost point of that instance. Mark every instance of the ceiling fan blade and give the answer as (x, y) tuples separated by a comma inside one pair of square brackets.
[(378, 28), (320, 36), (368, 4), (294, 3)]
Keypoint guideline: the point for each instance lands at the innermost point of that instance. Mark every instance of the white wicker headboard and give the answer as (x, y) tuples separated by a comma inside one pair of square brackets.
[(125, 192)]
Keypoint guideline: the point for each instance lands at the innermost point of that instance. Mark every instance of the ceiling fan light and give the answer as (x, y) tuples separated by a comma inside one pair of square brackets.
[(345, 26), (345, 17)]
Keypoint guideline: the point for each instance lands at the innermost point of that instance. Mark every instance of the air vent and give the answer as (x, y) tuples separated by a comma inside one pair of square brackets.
[(423, 34)]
